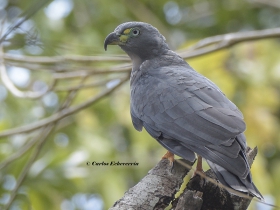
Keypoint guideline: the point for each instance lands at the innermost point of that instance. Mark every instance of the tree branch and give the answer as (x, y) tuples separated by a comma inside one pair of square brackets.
[(158, 188), (201, 48), (64, 59), (204, 46), (215, 43), (61, 114), (94, 84), (270, 3), (39, 139), (15, 91)]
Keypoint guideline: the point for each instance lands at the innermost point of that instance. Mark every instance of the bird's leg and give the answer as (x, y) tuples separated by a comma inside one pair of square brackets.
[(170, 156), (199, 168)]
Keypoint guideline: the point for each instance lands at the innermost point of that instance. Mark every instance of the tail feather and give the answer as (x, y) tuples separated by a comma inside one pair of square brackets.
[(230, 180)]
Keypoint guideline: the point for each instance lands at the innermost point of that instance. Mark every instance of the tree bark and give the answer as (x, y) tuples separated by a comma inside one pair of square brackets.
[(157, 190)]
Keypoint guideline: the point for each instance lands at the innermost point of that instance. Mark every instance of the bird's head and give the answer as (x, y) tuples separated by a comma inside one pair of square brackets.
[(139, 40)]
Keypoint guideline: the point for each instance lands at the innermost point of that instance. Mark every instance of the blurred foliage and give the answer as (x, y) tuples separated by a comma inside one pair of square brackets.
[(249, 74)]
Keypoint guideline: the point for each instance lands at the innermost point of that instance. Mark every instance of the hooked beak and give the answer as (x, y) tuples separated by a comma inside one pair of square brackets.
[(112, 39)]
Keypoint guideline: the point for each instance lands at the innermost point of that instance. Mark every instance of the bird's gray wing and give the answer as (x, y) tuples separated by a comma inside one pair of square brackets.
[(180, 107)]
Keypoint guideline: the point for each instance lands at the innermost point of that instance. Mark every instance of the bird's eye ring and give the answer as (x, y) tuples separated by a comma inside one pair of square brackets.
[(135, 32)]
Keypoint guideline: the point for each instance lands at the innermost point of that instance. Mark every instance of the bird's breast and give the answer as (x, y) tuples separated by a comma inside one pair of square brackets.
[(143, 91)]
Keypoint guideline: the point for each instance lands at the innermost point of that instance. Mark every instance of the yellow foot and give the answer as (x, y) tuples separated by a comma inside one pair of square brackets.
[(170, 156), (199, 169)]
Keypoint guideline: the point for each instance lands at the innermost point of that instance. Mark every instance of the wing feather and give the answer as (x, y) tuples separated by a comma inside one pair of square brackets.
[(193, 112)]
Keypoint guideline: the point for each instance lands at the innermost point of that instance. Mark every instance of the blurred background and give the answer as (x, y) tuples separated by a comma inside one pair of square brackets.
[(64, 101)]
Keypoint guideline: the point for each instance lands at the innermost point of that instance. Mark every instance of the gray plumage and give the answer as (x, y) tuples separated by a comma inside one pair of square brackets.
[(184, 111)]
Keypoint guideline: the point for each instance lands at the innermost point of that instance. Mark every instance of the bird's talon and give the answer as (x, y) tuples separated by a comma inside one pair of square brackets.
[(170, 156), (172, 167), (199, 170)]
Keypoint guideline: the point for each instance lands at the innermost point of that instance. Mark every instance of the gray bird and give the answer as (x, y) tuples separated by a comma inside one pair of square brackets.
[(183, 110)]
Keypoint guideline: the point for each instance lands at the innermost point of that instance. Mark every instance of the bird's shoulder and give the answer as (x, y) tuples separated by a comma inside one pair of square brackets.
[(170, 74)]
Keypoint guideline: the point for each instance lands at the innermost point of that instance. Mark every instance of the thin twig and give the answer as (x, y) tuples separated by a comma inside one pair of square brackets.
[(72, 94), (75, 69), (65, 58), (25, 16), (70, 75), (91, 85), (62, 113), (41, 137), (219, 42), (15, 91), (271, 3), (18, 153)]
